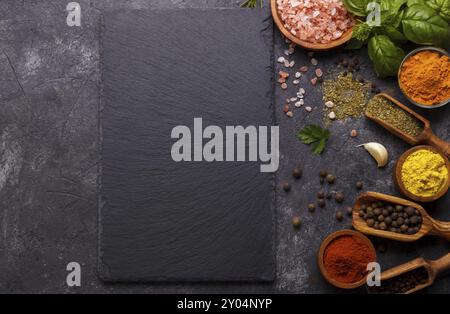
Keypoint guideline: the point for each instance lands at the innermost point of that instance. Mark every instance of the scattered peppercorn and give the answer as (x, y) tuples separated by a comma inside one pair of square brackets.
[(286, 187), (359, 185), (349, 211), (297, 173), (321, 194), (296, 222), (321, 203), (339, 197), (311, 207), (323, 173), (339, 215), (330, 178)]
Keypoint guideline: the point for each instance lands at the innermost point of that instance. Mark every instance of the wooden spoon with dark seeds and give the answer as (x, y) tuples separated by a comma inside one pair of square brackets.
[(429, 225)]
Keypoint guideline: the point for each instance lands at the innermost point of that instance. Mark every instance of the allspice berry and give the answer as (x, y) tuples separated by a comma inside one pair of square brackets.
[(339, 197), (286, 186), (296, 222), (297, 173), (330, 178), (349, 211)]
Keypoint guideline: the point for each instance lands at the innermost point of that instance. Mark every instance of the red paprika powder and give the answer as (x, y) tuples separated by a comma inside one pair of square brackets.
[(346, 258)]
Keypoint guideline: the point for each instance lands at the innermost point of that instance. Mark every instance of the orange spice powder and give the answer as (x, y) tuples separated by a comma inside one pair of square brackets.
[(425, 78)]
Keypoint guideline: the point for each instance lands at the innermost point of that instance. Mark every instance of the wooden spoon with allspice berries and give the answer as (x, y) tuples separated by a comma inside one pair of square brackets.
[(428, 225)]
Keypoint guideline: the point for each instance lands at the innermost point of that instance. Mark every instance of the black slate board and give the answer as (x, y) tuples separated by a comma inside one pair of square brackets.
[(166, 221)]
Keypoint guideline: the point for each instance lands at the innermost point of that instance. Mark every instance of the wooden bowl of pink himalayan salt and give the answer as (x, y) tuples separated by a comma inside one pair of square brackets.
[(316, 25)]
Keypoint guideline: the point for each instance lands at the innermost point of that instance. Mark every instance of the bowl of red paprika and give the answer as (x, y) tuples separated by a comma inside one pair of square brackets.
[(343, 258)]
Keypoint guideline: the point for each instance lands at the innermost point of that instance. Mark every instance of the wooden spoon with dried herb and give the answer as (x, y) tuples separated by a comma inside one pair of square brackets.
[(404, 122)]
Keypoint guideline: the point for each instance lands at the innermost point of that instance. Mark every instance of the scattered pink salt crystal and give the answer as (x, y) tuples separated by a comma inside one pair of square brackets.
[(303, 69), (319, 72)]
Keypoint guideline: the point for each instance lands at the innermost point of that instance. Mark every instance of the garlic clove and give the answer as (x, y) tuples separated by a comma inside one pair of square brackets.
[(378, 152)]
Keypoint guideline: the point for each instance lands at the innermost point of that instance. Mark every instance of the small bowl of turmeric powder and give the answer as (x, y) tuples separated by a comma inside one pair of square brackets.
[(424, 77), (422, 174)]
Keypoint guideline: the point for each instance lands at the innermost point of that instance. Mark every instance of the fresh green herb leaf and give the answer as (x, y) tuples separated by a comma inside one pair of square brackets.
[(314, 134), (252, 4), (394, 34), (357, 7), (422, 25), (362, 31), (410, 3), (389, 10), (398, 19), (442, 7), (319, 146), (385, 55)]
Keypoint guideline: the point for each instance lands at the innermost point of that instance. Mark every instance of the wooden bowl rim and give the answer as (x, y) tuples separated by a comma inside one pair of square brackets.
[(398, 181), (324, 245), (346, 36)]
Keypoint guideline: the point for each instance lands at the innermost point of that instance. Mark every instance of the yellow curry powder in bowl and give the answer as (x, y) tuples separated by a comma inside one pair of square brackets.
[(424, 77), (424, 173)]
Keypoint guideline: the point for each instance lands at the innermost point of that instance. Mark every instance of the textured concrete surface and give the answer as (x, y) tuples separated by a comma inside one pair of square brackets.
[(48, 160)]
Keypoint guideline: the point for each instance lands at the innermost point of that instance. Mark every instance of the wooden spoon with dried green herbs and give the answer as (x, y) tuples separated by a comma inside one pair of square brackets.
[(404, 122)]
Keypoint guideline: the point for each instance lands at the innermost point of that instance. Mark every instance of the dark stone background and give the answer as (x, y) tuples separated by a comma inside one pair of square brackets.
[(49, 89)]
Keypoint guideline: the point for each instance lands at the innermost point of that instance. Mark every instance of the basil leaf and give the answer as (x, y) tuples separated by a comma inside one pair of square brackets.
[(398, 19), (394, 34), (357, 7), (410, 3), (389, 10), (442, 7), (422, 25), (385, 55)]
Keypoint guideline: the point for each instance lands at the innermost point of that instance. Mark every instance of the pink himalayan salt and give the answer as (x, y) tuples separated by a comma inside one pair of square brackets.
[(315, 21)]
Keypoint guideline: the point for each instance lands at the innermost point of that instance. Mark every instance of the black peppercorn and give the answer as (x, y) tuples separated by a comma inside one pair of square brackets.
[(321, 194), (321, 203), (331, 179), (322, 173), (339, 197), (296, 222), (311, 207), (339, 215), (297, 173), (359, 185), (349, 211), (286, 187)]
